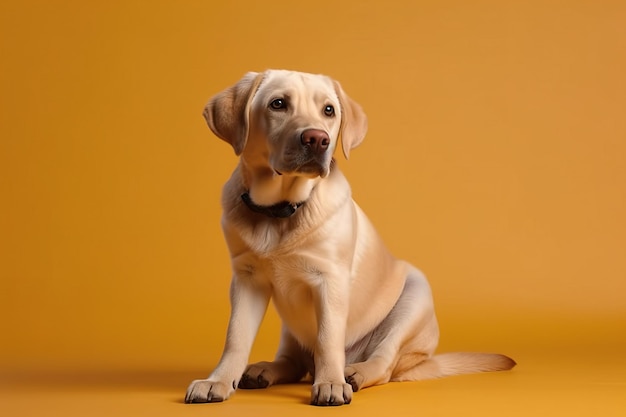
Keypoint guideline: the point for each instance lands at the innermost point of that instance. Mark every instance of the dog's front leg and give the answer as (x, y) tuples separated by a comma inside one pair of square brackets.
[(249, 302), (329, 385)]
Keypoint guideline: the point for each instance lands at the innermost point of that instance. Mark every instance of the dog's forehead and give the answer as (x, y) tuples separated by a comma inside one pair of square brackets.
[(290, 81)]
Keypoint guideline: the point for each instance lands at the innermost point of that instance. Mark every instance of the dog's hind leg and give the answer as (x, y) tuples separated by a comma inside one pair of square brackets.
[(406, 337)]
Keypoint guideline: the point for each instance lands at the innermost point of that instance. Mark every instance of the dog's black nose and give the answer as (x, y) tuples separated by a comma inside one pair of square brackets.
[(315, 139)]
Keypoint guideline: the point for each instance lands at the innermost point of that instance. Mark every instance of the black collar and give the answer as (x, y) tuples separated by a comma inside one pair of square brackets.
[(279, 210)]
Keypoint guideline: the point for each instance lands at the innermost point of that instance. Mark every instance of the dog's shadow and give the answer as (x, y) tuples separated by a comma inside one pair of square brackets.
[(281, 393), (177, 381), (172, 383)]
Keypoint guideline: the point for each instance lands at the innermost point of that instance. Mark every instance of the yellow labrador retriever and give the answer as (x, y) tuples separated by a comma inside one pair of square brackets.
[(353, 315)]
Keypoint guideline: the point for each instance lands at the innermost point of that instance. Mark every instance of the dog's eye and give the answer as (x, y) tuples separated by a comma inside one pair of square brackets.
[(329, 111), (278, 104)]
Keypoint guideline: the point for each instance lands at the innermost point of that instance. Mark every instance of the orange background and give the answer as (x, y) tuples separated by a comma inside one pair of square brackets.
[(495, 161)]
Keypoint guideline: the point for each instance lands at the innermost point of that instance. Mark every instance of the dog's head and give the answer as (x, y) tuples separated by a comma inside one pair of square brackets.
[(289, 122)]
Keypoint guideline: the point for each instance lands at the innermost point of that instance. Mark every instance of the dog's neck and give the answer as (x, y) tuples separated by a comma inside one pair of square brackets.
[(280, 210)]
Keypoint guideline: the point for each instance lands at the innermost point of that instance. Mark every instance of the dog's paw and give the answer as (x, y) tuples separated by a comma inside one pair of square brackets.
[(354, 378), (207, 391), (325, 394), (257, 376)]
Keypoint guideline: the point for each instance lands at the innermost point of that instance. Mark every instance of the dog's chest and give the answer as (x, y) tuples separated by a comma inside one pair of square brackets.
[(293, 295), (293, 279), (271, 238), (264, 238)]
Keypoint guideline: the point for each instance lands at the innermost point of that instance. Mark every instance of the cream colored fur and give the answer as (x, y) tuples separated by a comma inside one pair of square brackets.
[(353, 315)]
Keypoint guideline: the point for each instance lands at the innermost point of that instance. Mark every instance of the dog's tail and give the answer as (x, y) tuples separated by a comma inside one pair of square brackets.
[(449, 364)]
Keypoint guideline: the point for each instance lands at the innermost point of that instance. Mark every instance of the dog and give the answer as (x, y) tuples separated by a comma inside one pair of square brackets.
[(353, 316)]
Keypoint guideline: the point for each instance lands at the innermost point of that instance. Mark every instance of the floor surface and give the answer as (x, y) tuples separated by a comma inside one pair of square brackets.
[(543, 384)]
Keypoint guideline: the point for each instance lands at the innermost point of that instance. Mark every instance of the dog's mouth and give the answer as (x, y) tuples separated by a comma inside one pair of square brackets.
[(311, 168), (298, 163)]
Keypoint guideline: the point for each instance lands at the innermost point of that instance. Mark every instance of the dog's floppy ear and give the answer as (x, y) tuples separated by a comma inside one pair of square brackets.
[(227, 113), (353, 122)]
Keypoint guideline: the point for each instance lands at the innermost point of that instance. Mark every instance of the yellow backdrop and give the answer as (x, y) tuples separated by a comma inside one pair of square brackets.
[(495, 161)]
